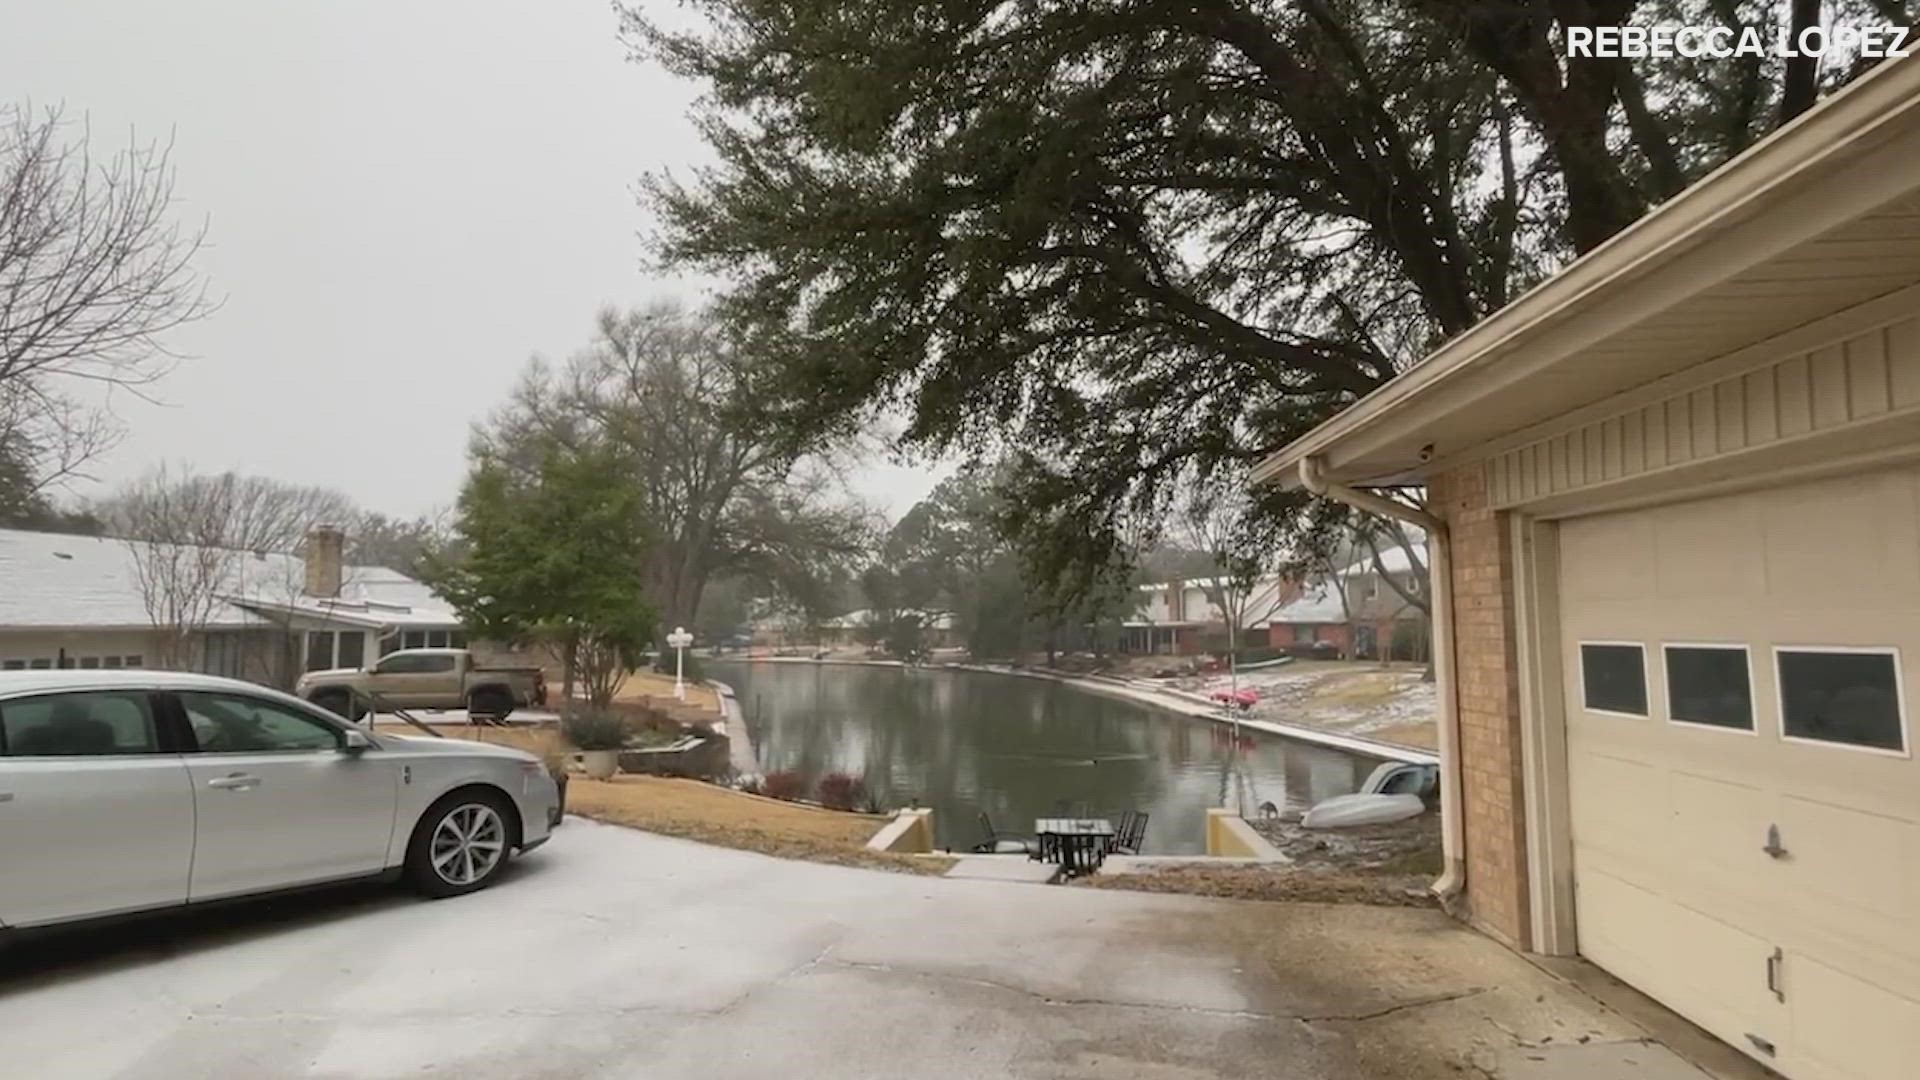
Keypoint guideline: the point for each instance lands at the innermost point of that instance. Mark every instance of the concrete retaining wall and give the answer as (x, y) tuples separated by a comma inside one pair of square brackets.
[(1229, 836), (733, 723), (702, 757), (909, 833)]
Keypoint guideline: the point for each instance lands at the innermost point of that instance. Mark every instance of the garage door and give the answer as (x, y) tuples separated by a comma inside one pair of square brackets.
[(1745, 803)]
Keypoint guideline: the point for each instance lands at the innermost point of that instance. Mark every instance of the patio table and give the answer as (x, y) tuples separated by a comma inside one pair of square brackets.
[(1077, 844)]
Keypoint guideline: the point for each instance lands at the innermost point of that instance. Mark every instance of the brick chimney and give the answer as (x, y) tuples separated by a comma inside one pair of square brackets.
[(325, 555)]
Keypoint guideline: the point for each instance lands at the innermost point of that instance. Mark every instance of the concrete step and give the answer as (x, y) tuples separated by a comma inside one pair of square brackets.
[(1005, 868)]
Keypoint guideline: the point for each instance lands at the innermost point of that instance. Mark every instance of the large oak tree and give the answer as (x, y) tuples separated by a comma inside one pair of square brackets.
[(1127, 241)]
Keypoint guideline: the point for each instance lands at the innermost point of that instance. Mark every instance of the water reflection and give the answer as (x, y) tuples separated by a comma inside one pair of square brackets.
[(962, 742)]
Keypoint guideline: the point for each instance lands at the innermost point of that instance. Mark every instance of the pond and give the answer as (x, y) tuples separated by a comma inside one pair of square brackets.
[(963, 742)]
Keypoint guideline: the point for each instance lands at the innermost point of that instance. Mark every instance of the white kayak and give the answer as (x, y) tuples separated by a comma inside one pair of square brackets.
[(1349, 811)]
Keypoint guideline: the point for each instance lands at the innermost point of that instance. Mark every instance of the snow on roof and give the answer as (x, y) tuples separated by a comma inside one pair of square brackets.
[(1204, 583), (1392, 556), (1316, 604), (862, 617), (50, 579)]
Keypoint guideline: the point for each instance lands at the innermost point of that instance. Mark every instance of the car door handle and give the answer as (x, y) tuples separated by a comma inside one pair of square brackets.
[(6, 796), (234, 782)]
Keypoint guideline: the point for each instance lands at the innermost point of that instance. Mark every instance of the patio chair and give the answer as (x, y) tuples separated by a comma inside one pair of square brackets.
[(1128, 838), (995, 842)]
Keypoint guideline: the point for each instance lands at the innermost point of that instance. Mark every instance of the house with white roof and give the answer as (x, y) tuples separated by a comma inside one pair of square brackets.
[(96, 602), (1176, 617), (856, 627), (1358, 613)]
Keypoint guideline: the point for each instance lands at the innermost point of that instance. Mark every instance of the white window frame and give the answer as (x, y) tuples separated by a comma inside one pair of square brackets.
[(1899, 698), (1646, 677), (333, 654), (306, 649), (1753, 688)]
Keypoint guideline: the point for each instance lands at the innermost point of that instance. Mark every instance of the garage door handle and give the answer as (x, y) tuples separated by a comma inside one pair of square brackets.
[(236, 782), (6, 796), (1773, 975)]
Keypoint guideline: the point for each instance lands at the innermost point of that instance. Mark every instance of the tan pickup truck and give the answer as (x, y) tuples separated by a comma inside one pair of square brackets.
[(425, 679)]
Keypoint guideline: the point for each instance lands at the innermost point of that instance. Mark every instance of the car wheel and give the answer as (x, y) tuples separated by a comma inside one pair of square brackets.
[(461, 843), (497, 704)]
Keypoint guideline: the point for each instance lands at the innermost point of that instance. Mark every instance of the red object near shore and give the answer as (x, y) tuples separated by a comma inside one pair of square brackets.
[(1245, 699)]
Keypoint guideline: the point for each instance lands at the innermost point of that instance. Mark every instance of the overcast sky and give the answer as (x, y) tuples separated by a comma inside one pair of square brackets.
[(405, 201)]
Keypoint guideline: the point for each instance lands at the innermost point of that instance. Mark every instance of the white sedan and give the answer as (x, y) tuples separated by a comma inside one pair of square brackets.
[(134, 790)]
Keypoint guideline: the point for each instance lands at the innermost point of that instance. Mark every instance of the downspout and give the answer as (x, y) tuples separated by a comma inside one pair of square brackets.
[(1453, 878)]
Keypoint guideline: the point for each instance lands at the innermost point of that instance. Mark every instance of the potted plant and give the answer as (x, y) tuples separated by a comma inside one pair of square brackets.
[(599, 737)]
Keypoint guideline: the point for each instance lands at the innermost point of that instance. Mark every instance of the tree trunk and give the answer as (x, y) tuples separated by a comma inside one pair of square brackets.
[(569, 666), (1799, 85)]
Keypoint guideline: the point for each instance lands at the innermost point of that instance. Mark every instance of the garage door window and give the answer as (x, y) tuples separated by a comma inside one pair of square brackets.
[(1614, 677), (1847, 697), (1709, 685)]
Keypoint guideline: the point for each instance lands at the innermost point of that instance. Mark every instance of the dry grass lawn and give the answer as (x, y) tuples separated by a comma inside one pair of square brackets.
[(1359, 689), (696, 810), (1275, 883), (647, 684), (1425, 735), (716, 815)]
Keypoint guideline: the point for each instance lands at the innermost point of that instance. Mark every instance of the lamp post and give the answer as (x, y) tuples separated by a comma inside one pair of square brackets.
[(678, 641)]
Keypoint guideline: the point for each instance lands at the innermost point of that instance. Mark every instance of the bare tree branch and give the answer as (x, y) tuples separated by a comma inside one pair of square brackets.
[(93, 274)]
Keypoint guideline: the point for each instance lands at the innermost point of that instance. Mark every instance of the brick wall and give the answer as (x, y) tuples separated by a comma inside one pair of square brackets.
[(1487, 678)]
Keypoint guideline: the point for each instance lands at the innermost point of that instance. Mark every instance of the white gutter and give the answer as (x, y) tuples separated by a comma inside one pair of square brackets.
[(1453, 878)]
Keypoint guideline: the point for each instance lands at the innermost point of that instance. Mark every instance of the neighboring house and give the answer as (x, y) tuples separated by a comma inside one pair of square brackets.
[(79, 602), (861, 626), (854, 628), (1676, 510), (1375, 622), (1181, 617)]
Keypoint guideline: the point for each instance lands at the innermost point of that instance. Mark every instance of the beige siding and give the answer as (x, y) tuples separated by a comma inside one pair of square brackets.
[(1866, 377)]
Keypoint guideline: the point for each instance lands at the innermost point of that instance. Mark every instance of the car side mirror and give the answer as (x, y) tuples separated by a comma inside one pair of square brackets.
[(357, 741)]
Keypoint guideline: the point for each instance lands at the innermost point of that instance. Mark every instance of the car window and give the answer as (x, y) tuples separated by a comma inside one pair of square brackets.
[(438, 663), (92, 723), (230, 723)]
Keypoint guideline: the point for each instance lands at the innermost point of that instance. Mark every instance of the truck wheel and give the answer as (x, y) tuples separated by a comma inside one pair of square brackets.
[(340, 703), (490, 702)]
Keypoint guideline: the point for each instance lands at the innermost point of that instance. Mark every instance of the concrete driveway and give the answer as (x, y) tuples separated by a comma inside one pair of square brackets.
[(613, 953)]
